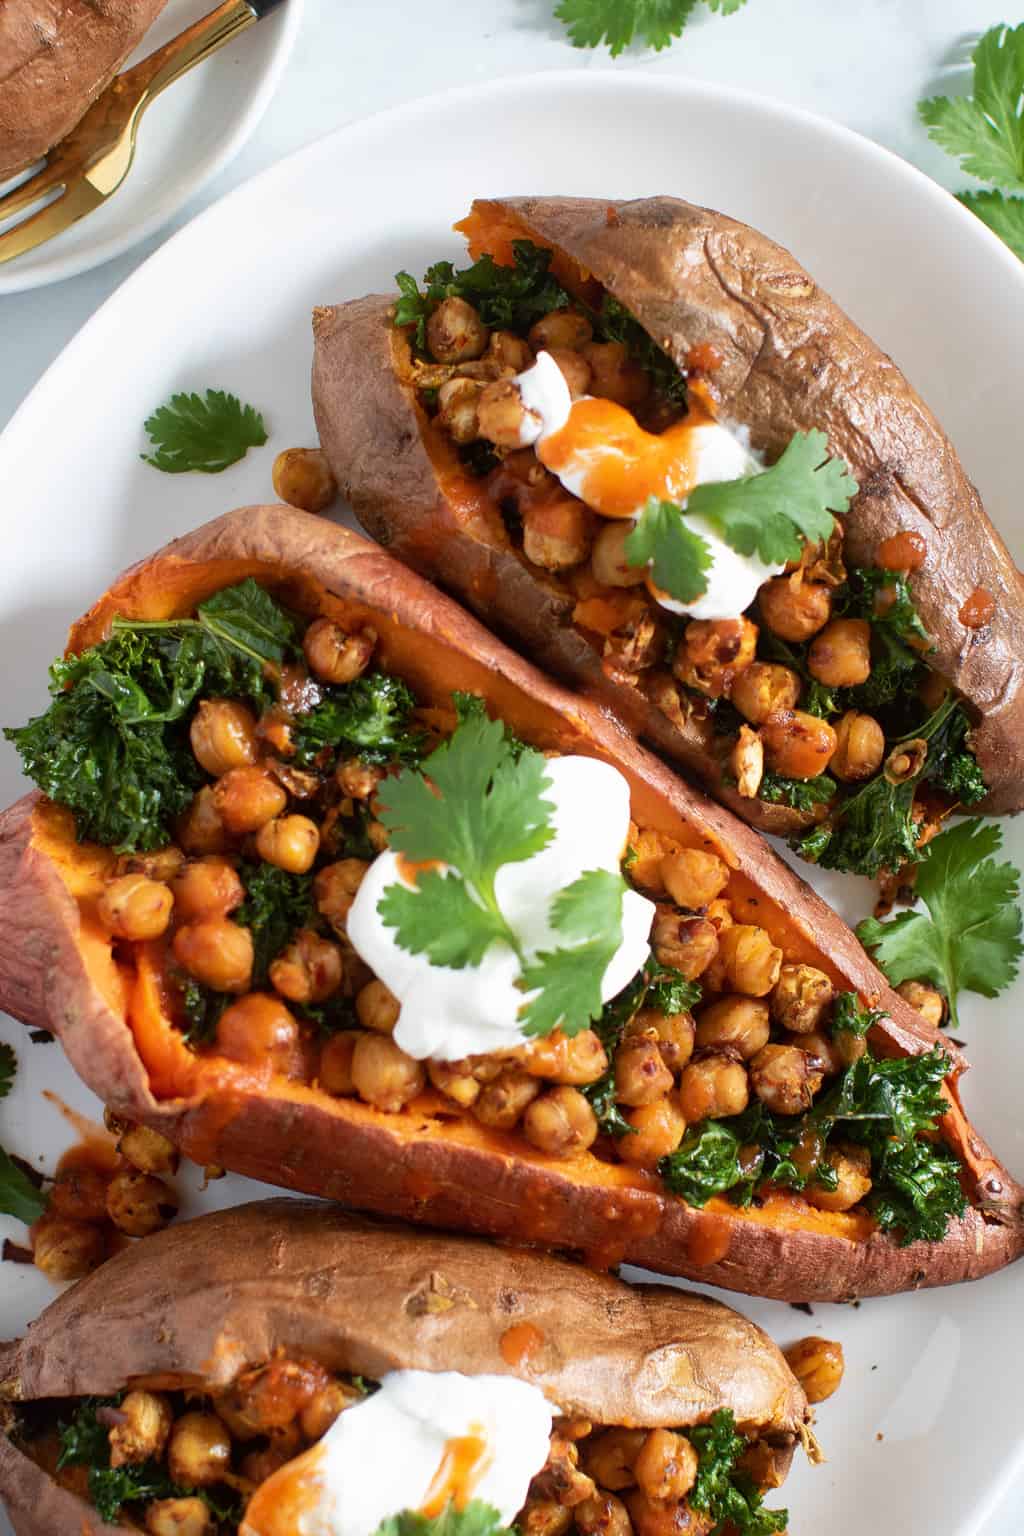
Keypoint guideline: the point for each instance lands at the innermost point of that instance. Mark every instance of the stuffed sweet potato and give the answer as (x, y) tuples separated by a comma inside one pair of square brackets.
[(56, 56), (307, 910), (846, 680), (171, 1393)]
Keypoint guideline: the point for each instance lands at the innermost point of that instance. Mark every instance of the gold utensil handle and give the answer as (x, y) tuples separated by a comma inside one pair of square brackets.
[(167, 64)]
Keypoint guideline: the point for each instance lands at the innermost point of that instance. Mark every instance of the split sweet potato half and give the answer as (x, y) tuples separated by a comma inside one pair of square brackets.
[(748, 1035)]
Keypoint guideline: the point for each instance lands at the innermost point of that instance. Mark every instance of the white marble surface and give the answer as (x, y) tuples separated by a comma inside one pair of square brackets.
[(863, 63)]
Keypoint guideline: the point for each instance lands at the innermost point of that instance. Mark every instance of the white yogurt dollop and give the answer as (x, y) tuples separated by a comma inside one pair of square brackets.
[(447, 1014)]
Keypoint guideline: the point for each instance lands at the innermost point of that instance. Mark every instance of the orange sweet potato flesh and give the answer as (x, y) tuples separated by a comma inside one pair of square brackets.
[(57, 971), (781, 357)]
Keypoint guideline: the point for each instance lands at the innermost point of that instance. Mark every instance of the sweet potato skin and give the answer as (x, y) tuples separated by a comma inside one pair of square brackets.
[(56, 56), (788, 359), (55, 972)]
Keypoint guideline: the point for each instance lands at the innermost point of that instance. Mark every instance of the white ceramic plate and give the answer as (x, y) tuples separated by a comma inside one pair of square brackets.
[(927, 1430), (189, 134)]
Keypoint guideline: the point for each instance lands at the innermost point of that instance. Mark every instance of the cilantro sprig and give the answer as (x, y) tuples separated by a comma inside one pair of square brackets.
[(207, 432), (678, 556), (970, 939), (475, 1519), (617, 22)]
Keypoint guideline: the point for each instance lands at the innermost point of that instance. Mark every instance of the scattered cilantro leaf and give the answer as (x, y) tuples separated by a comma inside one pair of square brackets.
[(569, 979), (277, 904), (722, 1488), (801, 794), (617, 22), (207, 433), (8, 1067), (985, 130), (475, 1519), (1003, 215), (371, 717), (679, 558), (971, 938), (19, 1197), (510, 298)]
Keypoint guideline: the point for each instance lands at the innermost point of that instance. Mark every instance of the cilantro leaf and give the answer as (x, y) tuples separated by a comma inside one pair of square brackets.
[(1003, 215), (441, 920), (207, 433), (722, 1489), (569, 980), (8, 1067), (19, 1197), (617, 22), (985, 130), (679, 558), (475, 1519), (971, 939)]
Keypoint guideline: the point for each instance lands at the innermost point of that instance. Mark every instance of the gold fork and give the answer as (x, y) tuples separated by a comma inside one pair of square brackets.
[(91, 163)]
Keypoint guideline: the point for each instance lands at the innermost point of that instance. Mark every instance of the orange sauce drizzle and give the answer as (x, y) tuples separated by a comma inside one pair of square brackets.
[(520, 1343), (463, 1463), (278, 1503), (621, 464)]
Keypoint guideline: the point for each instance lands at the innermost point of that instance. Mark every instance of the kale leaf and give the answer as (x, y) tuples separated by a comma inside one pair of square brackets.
[(509, 298), (801, 794), (615, 323), (277, 904), (722, 1488), (658, 987), (370, 717)]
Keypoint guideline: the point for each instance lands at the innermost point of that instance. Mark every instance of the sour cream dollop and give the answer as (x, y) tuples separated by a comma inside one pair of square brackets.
[(706, 451), (447, 1014), (422, 1438)]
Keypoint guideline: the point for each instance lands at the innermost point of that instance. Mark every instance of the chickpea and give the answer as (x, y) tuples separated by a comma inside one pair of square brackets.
[(762, 689), (199, 1450), (335, 1074), (377, 1007), (685, 944), (257, 1466), (785, 1078), (302, 477), (610, 1457), (223, 735), (457, 401), (608, 559), (603, 1515), (79, 1193), (509, 351), (501, 414), (752, 962), (561, 328), (693, 877), (557, 534), (325, 1407), (713, 652), (217, 952), (66, 1250), (309, 970), (134, 907), (333, 655), (929, 1003), (801, 997), (335, 887), (179, 1517), (142, 1433), (650, 1519), (840, 654), (577, 1060), (674, 1033), (666, 1468), (545, 1517), (200, 829), (860, 747), (817, 1365), (852, 1167), (615, 376), (455, 1081), (246, 798), (798, 745), (502, 1103), (148, 1151), (641, 1077), (455, 332), (657, 1130), (561, 1122), (765, 1464), (712, 1087), (734, 1023), (384, 1075), (162, 864), (793, 609), (289, 842), (575, 370), (259, 1031), (138, 1203), (746, 763), (560, 1477), (207, 887), (828, 1055)]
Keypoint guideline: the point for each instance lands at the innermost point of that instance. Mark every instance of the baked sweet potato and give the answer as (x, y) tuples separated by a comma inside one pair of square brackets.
[(667, 308), (56, 56), (339, 1304), (313, 1095)]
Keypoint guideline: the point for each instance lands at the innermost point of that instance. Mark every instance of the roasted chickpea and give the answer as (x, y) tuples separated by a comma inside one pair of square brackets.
[(650, 1519), (763, 688), (302, 477), (134, 907), (560, 328), (798, 745), (615, 375), (930, 1003), (801, 997), (325, 1406), (818, 1366), (377, 1007), (289, 842), (335, 1072), (259, 1031), (828, 1055), (712, 1087), (545, 1517), (457, 400), (79, 1193), (141, 1434), (851, 1165), (766, 1465), (577, 1060), (200, 829), (179, 1517), (674, 1033), (713, 652), (309, 970), (641, 1077), (162, 864), (138, 1203), (199, 1450), (735, 1023), (207, 887), (574, 368), (610, 1456), (557, 534), (455, 332), (335, 887), (603, 1515), (657, 1130), (502, 1103), (785, 1078), (860, 747), (456, 1081), (751, 961), (257, 1466), (66, 1250), (509, 351), (608, 559), (223, 735), (840, 654), (561, 1122), (685, 944), (746, 763), (693, 877), (793, 609), (217, 952), (246, 798), (666, 1468), (384, 1075), (501, 414), (147, 1150), (333, 655), (560, 1477)]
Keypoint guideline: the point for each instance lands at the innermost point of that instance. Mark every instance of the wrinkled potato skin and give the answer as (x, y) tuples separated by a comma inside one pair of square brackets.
[(791, 360), (55, 972), (57, 56)]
